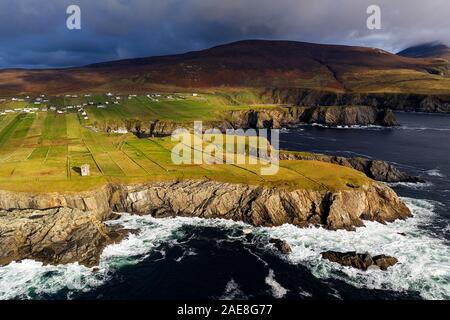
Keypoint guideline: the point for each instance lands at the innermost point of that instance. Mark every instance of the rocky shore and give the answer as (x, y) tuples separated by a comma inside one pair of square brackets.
[(54, 236), (62, 228), (271, 118), (411, 102)]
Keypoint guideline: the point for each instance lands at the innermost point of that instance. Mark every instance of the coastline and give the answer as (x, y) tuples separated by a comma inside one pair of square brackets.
[(35, 235)]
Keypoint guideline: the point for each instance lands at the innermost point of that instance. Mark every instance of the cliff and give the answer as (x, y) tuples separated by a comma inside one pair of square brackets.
[(61, 228), (261, 206), (54, 236), (349, 116), (270, 117), (434, 103)]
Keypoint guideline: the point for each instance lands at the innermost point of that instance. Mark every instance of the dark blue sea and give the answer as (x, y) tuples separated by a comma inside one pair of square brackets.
[(188, 258)]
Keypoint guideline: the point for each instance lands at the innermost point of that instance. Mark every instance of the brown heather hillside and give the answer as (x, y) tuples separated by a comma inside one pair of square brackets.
[(245, 65)]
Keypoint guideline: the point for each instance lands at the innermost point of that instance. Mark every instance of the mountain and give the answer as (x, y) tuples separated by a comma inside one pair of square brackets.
[(427, 50), (244, 65)]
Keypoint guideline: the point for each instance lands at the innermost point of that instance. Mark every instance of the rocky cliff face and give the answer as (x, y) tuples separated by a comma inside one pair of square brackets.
[(58, 228), (349, 116), (376, 169), (261, 206), (395, 101), (54, 236), (267, 118), (328, 115), (96, 202)]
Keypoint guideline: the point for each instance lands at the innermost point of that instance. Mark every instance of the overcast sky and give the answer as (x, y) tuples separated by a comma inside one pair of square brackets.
[(33, 33)]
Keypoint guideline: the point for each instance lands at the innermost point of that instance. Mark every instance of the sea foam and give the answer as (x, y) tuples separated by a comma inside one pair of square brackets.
[(424, 260)]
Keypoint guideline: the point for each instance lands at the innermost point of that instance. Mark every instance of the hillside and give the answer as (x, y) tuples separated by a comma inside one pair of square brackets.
[(427, 50), (242, 66)]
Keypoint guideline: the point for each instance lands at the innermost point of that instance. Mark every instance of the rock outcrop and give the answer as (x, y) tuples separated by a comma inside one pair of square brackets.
[(281, 245), (375, 169), (95, 201), (275, 117), (61, 228), (327, 115), (411, 102), (362, 261), (54, 236), (261, 206), (349, 116)]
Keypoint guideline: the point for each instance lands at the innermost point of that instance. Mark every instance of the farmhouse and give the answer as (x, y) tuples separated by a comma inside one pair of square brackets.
[(85, 170)]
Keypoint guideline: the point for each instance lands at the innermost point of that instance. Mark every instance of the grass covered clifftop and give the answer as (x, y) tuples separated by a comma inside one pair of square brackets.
[(43, 152)]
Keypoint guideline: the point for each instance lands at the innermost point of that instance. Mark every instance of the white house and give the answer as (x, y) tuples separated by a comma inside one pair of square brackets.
[(85, 170)]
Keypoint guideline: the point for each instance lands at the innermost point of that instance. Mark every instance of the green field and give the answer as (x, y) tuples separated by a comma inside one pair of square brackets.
[(43, 151)]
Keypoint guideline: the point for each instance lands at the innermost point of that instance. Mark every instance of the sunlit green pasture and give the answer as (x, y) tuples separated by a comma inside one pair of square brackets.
[(43, 151)]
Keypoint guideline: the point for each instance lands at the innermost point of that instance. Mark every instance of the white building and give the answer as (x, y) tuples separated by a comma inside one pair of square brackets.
[(85, 170)]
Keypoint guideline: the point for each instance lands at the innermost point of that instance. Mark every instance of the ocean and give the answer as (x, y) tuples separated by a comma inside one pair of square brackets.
[(191, 258)]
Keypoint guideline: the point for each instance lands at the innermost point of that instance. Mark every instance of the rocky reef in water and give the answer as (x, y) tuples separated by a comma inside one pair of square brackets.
[(362, 261), (61, 228)]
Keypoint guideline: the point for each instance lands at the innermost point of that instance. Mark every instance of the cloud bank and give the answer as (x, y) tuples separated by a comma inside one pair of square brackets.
[(34, 34)]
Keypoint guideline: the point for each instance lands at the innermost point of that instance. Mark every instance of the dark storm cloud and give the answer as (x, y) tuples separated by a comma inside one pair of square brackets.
[(34, 34)]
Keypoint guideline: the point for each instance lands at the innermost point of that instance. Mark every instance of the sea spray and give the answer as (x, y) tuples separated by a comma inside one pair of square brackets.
[(423, 266), (424, 261)]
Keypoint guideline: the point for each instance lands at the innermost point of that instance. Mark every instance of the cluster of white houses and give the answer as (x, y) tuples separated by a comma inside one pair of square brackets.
[(40, 103)]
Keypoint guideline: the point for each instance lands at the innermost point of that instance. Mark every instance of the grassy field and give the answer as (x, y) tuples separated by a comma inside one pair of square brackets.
[(43, 151)]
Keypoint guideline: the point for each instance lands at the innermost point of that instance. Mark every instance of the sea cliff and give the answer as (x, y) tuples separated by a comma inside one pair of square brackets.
[(267, 117), (62, 227), (411, 102)]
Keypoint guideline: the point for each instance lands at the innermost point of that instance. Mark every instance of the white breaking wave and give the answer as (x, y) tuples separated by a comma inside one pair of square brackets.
[(435, 173), (32, 280), (422, 128), (370, 126), (277, 290), (411, 185), (424, 261), (232, 291)]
